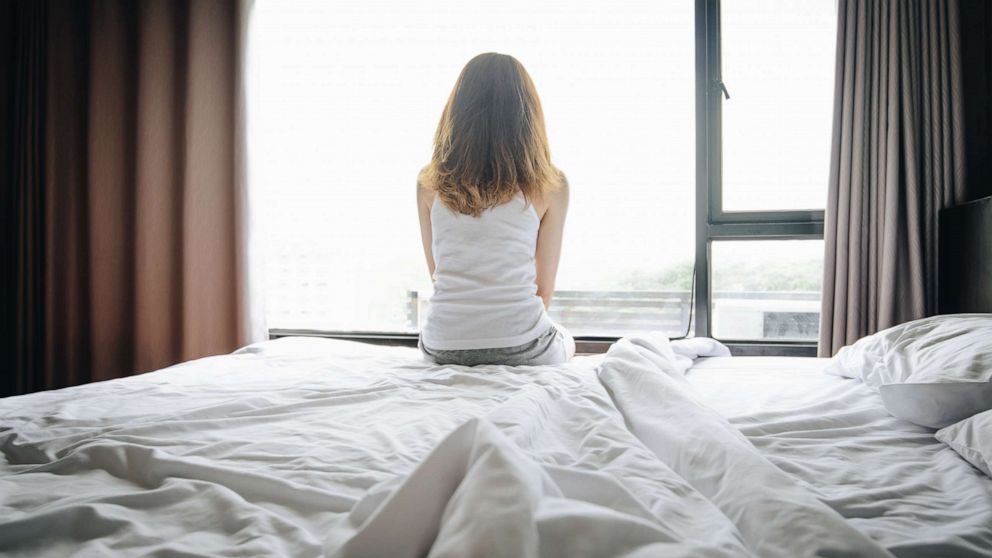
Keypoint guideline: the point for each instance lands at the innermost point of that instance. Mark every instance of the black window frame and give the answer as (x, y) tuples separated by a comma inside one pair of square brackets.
[(713, 223)]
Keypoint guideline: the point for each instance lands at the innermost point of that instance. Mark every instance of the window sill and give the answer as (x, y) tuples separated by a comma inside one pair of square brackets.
[(583, 344)]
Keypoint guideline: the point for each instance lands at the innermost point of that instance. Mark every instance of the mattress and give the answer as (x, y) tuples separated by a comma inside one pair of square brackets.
[(891, 479), (309, 447)]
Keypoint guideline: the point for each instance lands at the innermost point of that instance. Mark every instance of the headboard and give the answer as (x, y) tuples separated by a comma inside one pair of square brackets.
[(964, 258)]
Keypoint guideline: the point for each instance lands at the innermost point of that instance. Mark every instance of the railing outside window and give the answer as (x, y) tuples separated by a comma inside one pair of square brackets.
[(781, 316)]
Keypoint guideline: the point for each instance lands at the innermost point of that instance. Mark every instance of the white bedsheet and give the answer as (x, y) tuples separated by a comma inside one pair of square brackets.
[(305, 447), (891, 478)]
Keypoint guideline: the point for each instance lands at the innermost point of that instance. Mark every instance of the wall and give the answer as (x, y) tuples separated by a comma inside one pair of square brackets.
[(976, 52)]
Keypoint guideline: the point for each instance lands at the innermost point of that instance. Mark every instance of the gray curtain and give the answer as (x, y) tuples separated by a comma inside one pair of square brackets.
[(898, 157)]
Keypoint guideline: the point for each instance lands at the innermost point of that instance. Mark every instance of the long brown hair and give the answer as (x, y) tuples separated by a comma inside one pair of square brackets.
[(491, 142)]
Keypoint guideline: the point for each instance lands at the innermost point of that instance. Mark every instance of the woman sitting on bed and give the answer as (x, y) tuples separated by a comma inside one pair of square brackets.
[(492, 211)]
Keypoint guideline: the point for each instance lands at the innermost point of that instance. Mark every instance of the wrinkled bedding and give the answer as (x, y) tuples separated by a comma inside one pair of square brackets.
[(891, 479), (308, 447)]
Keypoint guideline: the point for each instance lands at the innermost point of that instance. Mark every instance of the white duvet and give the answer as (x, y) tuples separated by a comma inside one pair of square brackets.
[(304, 447), (891, 479)]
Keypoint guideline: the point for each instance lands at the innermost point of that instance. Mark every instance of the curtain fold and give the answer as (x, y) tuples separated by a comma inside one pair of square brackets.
[(898, 157), (24, 36), (130, 201)]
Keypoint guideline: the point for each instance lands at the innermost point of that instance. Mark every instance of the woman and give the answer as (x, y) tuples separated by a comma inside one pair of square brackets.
[(492, 212)]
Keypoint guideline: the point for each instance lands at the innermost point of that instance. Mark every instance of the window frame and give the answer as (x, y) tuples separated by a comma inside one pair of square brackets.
[(713, 223)]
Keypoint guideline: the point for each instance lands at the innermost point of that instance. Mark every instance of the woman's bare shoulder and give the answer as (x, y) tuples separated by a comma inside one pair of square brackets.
[(559, 195), (553, 197), (425, 194)]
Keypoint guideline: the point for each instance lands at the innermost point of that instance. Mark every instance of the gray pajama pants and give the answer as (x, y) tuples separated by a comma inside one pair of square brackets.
[(554, 346)]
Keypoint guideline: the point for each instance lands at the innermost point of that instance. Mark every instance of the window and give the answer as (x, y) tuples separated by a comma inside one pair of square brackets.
[(777, 58), (767, 289), (345, 98), (765, 87)]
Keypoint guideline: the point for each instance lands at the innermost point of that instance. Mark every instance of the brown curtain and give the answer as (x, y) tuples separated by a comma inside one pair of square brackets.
[(125, 189), (898, 157)]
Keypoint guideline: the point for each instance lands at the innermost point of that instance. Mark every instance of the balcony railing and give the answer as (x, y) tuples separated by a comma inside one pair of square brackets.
[(776, 315)]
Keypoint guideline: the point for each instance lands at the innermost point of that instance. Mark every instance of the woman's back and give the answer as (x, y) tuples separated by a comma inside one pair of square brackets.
[(485, 280), (492, 211)]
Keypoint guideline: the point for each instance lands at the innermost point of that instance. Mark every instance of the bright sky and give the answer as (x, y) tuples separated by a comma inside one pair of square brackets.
[(344, 98)]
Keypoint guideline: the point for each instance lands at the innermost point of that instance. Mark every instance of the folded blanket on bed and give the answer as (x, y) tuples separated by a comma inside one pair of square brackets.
[(775, 515), (312, 448)]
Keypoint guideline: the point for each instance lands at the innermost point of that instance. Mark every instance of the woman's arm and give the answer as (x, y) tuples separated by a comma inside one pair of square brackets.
[(549, 242), (425, 199)]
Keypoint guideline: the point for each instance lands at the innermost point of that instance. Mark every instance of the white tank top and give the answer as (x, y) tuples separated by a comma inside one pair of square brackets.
[(485, 294)]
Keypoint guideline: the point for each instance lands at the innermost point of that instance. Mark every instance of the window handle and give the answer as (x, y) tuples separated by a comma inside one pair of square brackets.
[(723, 87)]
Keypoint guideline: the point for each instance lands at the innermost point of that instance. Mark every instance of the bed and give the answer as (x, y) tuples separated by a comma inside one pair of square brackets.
[(889, 478), (319, 447), (312, 447)]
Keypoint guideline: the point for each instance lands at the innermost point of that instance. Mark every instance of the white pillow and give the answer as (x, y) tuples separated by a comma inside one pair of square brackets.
[(948, 348), (972, 439), (936, 405), (917, 367)]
